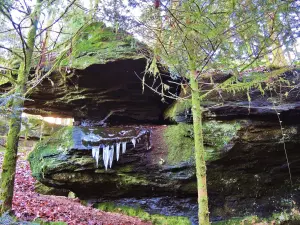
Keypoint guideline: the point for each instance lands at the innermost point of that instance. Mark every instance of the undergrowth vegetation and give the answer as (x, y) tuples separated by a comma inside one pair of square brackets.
[(156, 219)]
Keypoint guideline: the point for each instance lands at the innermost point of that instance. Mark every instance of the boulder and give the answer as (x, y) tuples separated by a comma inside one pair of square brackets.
[(163, 166), (103, 80)]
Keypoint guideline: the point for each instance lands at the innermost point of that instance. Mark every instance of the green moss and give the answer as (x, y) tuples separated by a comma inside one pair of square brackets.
[(138, 212), (97, 44), (45, 190), (180, 142), (238, 221), (131, 179), (61, 140), (126, 169)]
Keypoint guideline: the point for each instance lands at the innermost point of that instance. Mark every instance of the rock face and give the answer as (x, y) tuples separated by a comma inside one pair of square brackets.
[(103, 93), (279, 92), (102, 82), (249, 175), (254, 176), (250, 155)]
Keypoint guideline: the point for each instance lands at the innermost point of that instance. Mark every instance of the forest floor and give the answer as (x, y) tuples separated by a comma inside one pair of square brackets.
[(29, 205)]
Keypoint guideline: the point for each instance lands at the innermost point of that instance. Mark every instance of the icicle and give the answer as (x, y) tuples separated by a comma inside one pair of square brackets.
[(123, 147), (118, 145), (111, 155), (97, 155), (133, 140), (94, 149), (105, 156)]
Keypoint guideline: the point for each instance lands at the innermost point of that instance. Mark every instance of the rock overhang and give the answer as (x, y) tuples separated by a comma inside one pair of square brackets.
[(110, 93), (100, 78)]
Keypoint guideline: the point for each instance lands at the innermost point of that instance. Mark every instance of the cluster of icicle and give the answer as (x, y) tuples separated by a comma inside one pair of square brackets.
[(109, 151)]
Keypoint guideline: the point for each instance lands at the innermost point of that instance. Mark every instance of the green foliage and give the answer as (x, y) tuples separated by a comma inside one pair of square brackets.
[(97, 44), (156, 219), (62, 140), (178, 107), (254, 80), (34, 126)]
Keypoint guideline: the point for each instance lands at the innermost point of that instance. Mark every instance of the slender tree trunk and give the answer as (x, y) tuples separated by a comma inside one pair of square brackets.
[(203, 214), (277, 53), (10, 157)]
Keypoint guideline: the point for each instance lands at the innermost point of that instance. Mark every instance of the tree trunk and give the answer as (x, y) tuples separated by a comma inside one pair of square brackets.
[(10, 157), (203, 214)]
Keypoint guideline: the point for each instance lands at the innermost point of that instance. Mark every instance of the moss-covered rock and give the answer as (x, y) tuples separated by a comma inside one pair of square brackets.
[(64, 160), (98, 44), (257, 94), (59, 142), (217, 140), (101, 79), (45, 190)]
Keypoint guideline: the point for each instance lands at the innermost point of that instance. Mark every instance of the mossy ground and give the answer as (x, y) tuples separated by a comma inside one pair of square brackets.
[(180, 142), (61, 140), (156, 219)]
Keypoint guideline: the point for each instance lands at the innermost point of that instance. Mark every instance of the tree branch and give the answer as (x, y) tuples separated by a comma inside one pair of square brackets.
[(55, 21)]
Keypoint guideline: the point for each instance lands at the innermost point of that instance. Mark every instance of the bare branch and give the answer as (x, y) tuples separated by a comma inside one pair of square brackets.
[(55, 21), (11, 51)]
